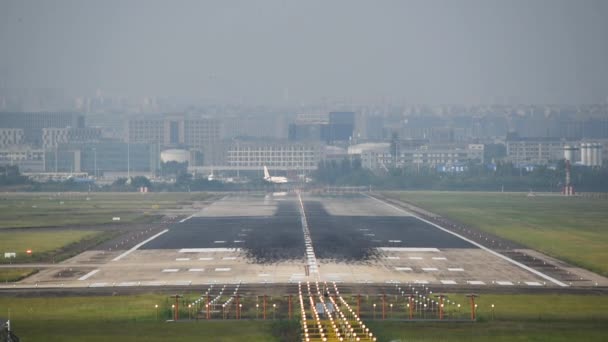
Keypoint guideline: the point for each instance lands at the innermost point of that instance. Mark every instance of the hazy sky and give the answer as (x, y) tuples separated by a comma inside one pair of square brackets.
[(452, 51)]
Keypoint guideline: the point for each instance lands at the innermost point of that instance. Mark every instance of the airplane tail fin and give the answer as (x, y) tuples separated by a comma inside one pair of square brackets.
[(266, 173)]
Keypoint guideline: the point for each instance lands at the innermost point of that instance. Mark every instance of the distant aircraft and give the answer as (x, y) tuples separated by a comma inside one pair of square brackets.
[(273, 179)]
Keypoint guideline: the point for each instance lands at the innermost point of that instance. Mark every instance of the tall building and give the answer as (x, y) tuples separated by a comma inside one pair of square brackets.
[(33, 123), (201, 133), (341, 126)]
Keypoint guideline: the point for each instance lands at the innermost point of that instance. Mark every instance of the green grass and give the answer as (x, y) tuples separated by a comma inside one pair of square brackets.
[(490, 331), (572, 229), (14, 274), (510, 307), (133, 318), (51, 209), (40, 241)]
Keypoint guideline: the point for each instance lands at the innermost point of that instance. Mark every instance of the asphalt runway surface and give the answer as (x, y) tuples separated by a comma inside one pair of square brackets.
[(356, 238), (278, 237), (264, 239)]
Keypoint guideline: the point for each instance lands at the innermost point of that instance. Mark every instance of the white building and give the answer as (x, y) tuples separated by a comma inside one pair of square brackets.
[(275, 155), (536, 151), (378, 156)]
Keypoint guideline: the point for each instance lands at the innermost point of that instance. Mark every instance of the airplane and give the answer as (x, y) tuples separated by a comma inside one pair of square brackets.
[(273, 179)]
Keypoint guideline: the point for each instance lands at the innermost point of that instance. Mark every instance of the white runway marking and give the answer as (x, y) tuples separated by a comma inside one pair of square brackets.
[(403, 268), (223, 269), (440, 258), (196, 270), (456, 269), (504, 283), (186, 219), (429, 269), (219, 241), (421, 281), (415, 258), (139, 245), (394, 241), (98, 285), (205, 259), (229, 258), (533, 283), (169, 270), (369, 234), (239, 241), (448, 282), (393, 257), (208, 250), (88, 275), (529, 269), (182, 259), (407, 249), (475, 282)]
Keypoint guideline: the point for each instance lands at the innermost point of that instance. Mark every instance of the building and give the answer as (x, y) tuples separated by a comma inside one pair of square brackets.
[(202, 133), (263, 126), (51, 137), (10, 137), (285, 156), (536, 151), (377, 156), (28, 159), (104, 157), (33, 123), (341, 126)]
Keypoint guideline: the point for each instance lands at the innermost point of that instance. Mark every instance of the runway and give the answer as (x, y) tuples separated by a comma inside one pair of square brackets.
[(260, 240)]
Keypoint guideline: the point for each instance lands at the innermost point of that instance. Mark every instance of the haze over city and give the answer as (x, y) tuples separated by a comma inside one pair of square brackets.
[(304, 52)]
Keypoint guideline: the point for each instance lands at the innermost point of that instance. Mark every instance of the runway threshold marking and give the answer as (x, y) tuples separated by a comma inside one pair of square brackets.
[(88, 275), (516, 263), (139, 245)]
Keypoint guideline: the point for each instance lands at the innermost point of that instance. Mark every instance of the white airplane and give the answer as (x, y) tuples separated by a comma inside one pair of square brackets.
[(273, 179)]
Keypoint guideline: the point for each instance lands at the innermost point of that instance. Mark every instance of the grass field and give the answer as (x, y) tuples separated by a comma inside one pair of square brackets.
[(14, 274), (572, 229), (40, 241), (44, 210), (133, 318)]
